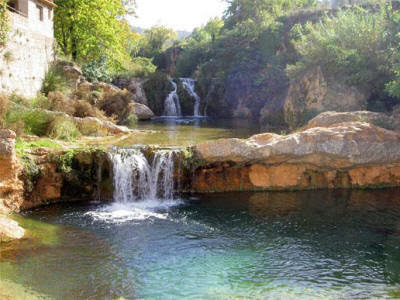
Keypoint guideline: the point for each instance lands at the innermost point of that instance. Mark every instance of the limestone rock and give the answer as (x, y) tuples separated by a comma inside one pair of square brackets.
[(312, 93), (142, 111), (353, 142), (350, 154), (92, 126), (10, 230), (135, 86), (332, 117), (11, 187)]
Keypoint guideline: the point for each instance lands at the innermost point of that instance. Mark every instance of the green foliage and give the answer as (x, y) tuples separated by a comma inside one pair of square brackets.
[(352, 44), (4, 22), (62, 128), (90, 30), (157, 88), (154, 40), (36, 122), (54, 80), (139, 67), (131, 121), (98, 70)]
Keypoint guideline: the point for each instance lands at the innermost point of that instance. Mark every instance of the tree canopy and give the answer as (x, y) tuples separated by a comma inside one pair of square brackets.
[(88, 30)]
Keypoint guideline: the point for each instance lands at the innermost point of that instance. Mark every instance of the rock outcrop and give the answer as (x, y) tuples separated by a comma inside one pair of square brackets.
[(11, 187), (135, 86), (344, 155), (10, 230), (312, 93), (332, 117)]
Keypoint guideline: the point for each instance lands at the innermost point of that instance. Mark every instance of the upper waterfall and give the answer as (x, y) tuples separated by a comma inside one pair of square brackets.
[(172, 106), (189, 85)]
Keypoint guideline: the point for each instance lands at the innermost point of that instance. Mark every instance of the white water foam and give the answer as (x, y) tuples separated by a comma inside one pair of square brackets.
[(118, 213), (141, 189)]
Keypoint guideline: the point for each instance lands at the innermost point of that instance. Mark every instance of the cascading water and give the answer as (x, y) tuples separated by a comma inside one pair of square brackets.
[(172, 105), (136, 179), (189, 85)]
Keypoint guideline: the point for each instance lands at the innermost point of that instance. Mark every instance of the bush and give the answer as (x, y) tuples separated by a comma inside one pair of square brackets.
[(62, 128), (118, 104), (98, 70), (352, 46), (83, 109), (139, 67), (36, 122), (54, 81), (131, 121)]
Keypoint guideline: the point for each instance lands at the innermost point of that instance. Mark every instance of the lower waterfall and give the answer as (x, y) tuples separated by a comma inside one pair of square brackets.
[(135, 178)]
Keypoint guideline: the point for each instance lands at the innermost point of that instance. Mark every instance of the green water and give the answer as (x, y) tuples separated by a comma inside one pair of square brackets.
[(303, 245), (186, 131)]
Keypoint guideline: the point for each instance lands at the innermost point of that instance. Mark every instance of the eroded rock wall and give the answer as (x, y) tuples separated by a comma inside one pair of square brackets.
[(344, 155)]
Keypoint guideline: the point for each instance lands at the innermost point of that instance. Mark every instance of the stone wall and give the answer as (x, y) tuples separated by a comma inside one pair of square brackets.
[(25, 59)]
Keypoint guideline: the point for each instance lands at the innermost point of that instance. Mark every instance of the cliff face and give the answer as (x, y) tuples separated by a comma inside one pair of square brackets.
[(343, 155), (312, 94)]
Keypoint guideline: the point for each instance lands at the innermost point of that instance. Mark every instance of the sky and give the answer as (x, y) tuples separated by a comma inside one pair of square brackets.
[(177, 14)]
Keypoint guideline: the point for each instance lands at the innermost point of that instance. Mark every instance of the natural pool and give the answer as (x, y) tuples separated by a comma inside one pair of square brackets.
[(316, 244), (183, 132)]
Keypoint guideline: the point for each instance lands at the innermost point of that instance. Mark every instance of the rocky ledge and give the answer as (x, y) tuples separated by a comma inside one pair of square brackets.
[(341, 155)]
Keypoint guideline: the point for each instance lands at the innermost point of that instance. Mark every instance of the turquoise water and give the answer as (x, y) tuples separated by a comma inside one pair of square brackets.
[(303, 245)]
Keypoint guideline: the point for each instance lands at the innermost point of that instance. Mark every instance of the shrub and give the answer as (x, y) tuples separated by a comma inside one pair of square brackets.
[(117, 103), (54, 81), (98, 70), (62, 128), (140, 67), (84, 109), (36, 122), (131, 121), (60, 102)]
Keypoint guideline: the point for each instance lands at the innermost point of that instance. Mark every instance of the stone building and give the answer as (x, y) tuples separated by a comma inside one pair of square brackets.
[(29, 51)]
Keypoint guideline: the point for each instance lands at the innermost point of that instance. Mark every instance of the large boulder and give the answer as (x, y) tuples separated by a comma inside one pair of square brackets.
[(10, 230), (312, 93), (352, 154), (332, 117), (142, 111)]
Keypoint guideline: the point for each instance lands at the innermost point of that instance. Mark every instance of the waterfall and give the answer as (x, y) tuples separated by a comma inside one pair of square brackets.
[(189, 85), (136, 179), (172, 105)]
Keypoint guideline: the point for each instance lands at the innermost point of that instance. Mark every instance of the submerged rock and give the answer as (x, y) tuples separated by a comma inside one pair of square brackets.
[(350, 154), (10, 230)]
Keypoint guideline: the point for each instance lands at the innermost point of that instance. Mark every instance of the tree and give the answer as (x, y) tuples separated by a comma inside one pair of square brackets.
[(88, 30), (4, 22), (155, 39)]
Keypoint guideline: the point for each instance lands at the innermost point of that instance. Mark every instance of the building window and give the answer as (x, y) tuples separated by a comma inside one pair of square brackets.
[(50, 13), (13, 5), (40, 11)]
